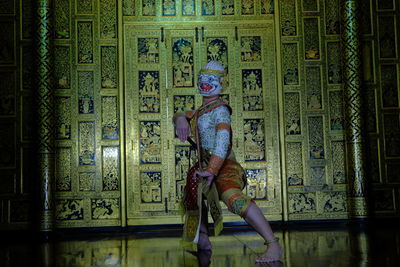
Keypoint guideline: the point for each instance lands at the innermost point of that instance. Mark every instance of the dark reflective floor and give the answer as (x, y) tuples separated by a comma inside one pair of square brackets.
[(316, 245)]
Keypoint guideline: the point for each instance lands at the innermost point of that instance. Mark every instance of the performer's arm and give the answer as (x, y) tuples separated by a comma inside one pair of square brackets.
[(181, 123)]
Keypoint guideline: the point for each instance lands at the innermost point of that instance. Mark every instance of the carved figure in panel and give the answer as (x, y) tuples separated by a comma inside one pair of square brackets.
[(109, 67), (250, 48), (334, 202), (108, 19), (290, 64), (85, 42), (62, 67), (148, 7), (302, 203), (7, 145), (128, 7), (313, 87), (148, 50), (334, 63), (185, 156), (69, 209), (316, 137), (292, 113), (338, 161), (183, 103), (207, 7), (383, 200), (267, 7), (149, 92), (109, 117), (7, 93), (87, 181), (107, 208), (86, 92), (7, 43), (254, 140), (111, 169), (389, 86), (247, 7), (317, 176), (387, 33), (336, 110), (392, 135), (294, 164), (61, 19), (150, 187), (311, 39), (228, 7), (288, 17), (188, 8), (169, 8), (217, 50), (332, 17), (87, 150), (63, 118), (182, 60), (252, 90), (150, 142), (256, 184), (63, 169)]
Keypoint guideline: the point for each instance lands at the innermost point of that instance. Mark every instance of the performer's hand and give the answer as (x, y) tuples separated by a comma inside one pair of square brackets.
[(207, 175), (182, 128)]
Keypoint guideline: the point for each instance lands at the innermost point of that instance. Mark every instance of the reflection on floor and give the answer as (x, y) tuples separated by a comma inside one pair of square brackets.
[(320, 246)]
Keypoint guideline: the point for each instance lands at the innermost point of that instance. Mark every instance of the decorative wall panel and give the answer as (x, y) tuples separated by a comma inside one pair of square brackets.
[(69, 209), (111, 169), (312, 49), (63, 118), (387, 37), (313, 88), (290, 63), (332, 17), (108, 19), (109, 73), (63, 169), (8, 145), (108, 208), (294, 164), (316, 137), (109, 120), (87, 143), (292, 113), (62, 71), (338, 162), (86, 92), (7, 39), (389, 80), (257, 184), (27, 19), (334, 63), (7, 92), (288, 18), (128, 7), (85, 42), (84, 6), (336, 110)]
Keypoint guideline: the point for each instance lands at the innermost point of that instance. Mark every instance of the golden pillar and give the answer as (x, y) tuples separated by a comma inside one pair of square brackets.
[(45, 111), (353, 111)]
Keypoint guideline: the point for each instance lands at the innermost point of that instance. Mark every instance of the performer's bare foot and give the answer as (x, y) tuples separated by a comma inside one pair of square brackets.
[(273, 253), (204, 241)]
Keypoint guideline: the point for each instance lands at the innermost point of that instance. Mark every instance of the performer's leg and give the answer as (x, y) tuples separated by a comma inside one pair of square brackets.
[(254, 217), (204, 241)]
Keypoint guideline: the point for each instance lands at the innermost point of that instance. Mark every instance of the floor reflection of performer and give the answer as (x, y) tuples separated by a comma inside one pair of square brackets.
[(217, 175)]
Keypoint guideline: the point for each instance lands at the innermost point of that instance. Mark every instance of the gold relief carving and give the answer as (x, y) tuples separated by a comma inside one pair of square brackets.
[(294, 164), (316, 137), (169, 7), (217, 50), (290, 60), (27, 19), (334, 201), (188, 8), (149, 92), (334, 63), (332, 17), (207, 7), (108, 19), (111, 165), (63, 169), (383, 200), (150, 142), (292, 113), (128, 8), (310, 5), (267, 7), (84, 6), (27, 68), (338, 161), (228, 7), (311, 39), (288, 18), (62, 68), (257, 184), (61, 19), (108, 208), (85, 42), (317, 176), (250, 48), (87, 143), (109, 70), (148, 50), (252, 90), (389, 89), (69, 209), (302, 203), (247, 7), (63, 118), (336, 110), (150, 187), (387, 36), (183, 103), (87, 181), (254, 140), (313, 88), (109, 117), (148, 7), (7, 55), (185, 157), (182, 61), (7, 93), (86, 92)]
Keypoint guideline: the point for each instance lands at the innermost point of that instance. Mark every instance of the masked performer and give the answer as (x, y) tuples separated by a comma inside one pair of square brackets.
[(216, 175)]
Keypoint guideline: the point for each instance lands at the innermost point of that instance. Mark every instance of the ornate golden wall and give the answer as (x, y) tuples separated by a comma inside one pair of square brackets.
[(105, 49)]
